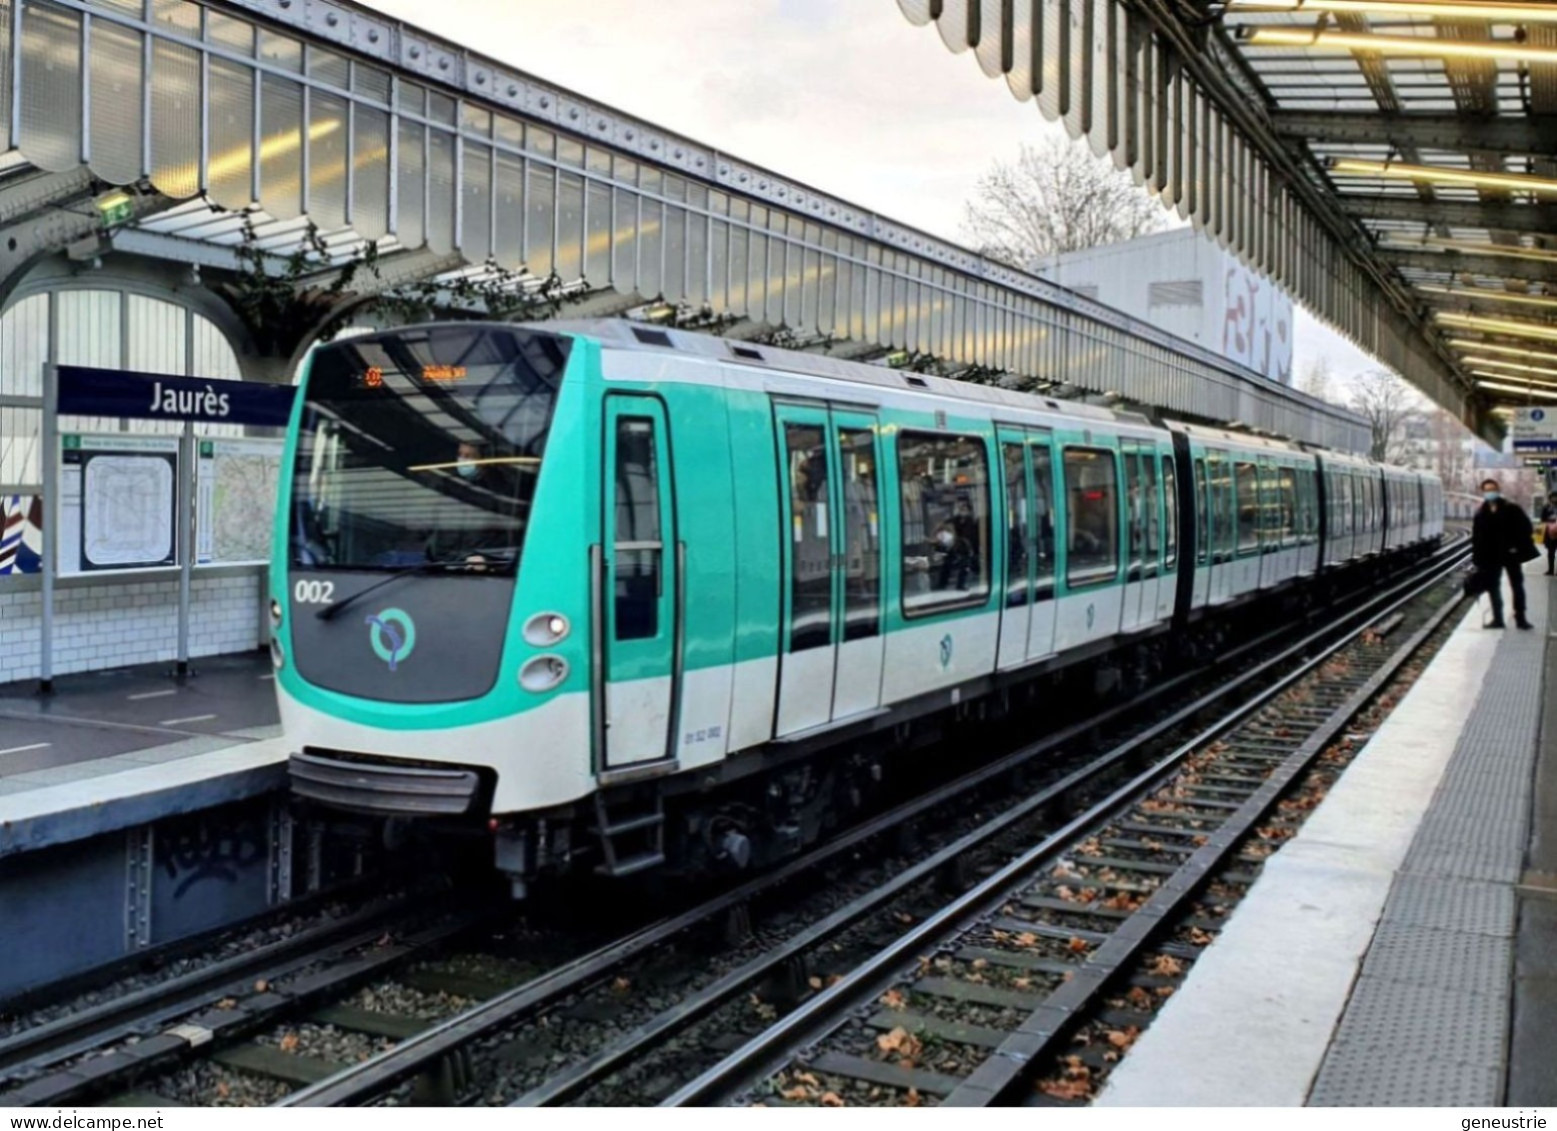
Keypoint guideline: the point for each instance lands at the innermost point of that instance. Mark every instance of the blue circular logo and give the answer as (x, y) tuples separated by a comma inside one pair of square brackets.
[(1538, 414), (946, 650), (392, 634)]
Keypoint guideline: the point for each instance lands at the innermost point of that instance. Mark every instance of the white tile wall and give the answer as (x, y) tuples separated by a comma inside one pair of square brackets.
[(122, 622)]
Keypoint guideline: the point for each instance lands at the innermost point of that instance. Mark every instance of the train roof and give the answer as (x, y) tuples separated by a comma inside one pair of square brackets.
[(620, 334)]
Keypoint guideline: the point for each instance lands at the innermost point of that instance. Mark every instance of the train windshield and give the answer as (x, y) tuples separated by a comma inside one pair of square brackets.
[(422, 447)]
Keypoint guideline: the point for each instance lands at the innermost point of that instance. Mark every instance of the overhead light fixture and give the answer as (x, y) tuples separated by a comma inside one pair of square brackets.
[(1514, 365), (1438, 243), (1507, 377), (1443, 175), (1507, 351), (1414, 46), (1489, 294), (1518, 390), (1502, 11), (1542, 331)]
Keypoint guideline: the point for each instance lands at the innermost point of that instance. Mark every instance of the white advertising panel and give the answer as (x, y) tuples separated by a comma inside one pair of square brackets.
[(117, 503)]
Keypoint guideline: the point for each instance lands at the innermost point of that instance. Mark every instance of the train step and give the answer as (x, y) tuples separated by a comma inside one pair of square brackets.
[(631, 828)]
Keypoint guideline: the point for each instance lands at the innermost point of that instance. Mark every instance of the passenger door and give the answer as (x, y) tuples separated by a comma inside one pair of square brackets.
[(1040, 634), (639, 603), (831, 640), (1016, 609), (1137, 500), (856, 446)]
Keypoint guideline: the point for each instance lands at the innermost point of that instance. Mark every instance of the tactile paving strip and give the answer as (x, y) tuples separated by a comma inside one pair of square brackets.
[(1451, 904), (1432, 956), (1427, 1022), (1352, 1078)]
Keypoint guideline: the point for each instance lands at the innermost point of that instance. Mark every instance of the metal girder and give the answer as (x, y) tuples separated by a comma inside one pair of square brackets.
[(54, 229), (1540, 219), (1457, 262), (26, 195), (1455, 132)]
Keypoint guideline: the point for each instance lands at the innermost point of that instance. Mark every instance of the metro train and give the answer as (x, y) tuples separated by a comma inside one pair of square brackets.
[(622, 596)]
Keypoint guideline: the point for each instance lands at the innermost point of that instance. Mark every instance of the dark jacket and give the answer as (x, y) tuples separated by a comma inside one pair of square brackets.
[(1500, 535), (1549, 513)]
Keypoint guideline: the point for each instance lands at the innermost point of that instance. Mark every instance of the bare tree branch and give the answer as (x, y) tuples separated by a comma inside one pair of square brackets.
[(1057, 197), (1388, 404)]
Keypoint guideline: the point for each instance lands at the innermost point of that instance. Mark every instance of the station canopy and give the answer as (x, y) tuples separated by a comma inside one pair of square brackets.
[(1392, 163)]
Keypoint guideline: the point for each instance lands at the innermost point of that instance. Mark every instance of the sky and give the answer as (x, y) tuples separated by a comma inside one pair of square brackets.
[(843, 95)]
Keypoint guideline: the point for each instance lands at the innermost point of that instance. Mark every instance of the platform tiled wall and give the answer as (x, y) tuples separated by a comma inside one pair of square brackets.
[(123, 622)]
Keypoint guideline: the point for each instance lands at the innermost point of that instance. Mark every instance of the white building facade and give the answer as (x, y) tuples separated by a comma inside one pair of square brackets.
[(1183, 283)]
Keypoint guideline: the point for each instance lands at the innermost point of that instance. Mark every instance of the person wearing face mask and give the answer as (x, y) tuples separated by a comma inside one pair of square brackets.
[(450, 543), (1549, 533), (1501, 542)]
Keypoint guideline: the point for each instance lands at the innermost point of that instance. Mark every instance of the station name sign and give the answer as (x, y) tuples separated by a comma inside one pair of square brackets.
[(155, 396), (1534, 426)]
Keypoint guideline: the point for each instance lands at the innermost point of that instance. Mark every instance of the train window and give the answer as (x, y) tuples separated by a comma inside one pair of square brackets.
[(1017, 520), (639, 545), (1170, 499), (1043, 499), (1287, 480), (810, 574), (1222, 486), (861, 533), (1153, 503), (1092, 514), (1135, 511), (1202, 515), (945, 496), (1246, 480)]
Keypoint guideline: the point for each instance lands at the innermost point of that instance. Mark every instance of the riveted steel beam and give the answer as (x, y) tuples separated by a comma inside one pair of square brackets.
[(1493, 215), (1457, 132), (1462, 263)]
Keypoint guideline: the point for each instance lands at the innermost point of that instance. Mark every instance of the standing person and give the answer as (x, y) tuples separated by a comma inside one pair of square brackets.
[(1501, 542), (1549, 532)]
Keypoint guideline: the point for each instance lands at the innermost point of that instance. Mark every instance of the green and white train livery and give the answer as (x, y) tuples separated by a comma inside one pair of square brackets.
[(626, 595)]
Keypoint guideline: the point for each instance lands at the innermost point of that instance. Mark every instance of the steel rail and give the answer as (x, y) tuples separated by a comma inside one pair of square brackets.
[(363, 1082), (768, 1051)]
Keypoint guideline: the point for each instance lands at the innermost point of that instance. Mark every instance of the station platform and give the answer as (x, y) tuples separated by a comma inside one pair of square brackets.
[(1401, 949), (114, 749)]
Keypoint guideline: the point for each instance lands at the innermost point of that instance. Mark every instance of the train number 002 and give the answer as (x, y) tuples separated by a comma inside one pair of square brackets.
[(313, 592)]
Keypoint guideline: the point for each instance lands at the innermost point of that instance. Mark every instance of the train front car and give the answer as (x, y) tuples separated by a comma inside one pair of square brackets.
[(432, 661)]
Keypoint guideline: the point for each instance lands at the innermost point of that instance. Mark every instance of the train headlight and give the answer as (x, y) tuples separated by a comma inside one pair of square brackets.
[(275, 612), (543, 673), (278, 657), (545, 629)]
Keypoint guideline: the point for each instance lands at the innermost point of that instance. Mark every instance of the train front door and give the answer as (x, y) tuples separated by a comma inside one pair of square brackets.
[(638, 603), (830, 639)]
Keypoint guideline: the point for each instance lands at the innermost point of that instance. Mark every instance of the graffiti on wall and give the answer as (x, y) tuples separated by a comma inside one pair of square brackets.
[(21, 534), (1257, 329)]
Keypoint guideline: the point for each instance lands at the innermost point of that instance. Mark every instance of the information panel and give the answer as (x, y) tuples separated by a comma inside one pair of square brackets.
[(236, 482), (117, 502)]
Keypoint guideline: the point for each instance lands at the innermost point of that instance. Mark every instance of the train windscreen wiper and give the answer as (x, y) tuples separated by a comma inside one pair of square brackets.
[(421, 568)]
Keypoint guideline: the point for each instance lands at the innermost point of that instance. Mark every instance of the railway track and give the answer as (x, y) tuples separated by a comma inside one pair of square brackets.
[(1030, 986), (510, 1048), (552, 1031)]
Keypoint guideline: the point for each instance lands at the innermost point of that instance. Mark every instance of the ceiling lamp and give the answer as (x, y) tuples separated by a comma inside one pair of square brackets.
[(1514, 365), (1507, 351), (1488, 294), (1543, 331), (1518, 390), (1506, 377), (1416, 46), (1443, 175), (1509, 11)]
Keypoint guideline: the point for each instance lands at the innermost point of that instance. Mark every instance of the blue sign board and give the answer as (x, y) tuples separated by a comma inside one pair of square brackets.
[(155, 396), (1535, 446)]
